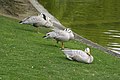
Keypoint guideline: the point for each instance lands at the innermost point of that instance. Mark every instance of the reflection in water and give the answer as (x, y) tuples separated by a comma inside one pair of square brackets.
[(116, 50), (114, 44), (114, 35), (96, 20)]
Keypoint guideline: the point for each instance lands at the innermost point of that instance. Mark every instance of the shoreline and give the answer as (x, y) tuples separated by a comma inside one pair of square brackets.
[(57, 24)]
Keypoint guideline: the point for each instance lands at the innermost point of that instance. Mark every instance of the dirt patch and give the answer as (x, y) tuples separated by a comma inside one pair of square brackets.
[(17, 8)]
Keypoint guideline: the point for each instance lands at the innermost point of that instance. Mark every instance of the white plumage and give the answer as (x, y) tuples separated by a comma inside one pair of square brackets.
[(79, 55), (37, 21), (60, 35)]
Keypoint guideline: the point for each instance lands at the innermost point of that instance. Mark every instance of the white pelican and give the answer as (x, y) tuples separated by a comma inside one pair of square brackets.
[(61, 35), (79, 55), (37, 21)]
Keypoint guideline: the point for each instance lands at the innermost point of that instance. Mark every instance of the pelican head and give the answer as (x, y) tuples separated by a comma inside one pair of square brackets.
[(50, 35), (87, 50)]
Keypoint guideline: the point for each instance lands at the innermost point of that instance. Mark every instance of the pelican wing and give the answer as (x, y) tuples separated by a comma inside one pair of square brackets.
[(68, 54), (61, 35), (78, 55), (75, 52), (33, 19)]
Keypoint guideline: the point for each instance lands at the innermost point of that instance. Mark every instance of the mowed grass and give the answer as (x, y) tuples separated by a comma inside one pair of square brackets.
[(25, 55)]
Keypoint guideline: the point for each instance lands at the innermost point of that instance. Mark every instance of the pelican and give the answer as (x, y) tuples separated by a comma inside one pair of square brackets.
[(37, 21), (60, 35), (79, 55)]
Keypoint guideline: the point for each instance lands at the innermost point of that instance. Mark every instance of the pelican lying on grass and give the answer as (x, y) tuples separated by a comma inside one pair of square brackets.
[(79, 55), (37, 21), (61, 35)]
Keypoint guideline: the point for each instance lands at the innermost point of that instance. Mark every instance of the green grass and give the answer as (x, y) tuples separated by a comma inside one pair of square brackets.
[(25, 55)]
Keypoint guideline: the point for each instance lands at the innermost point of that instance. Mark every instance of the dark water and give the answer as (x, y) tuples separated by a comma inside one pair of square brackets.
[(96, 20)]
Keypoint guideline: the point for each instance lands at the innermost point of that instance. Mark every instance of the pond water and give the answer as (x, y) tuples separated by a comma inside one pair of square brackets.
[(96, 20)]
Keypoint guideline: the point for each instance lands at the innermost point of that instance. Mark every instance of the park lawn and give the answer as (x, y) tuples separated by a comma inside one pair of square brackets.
[(25, 55)]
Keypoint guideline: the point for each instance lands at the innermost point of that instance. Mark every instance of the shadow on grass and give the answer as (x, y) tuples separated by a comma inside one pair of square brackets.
[(51, 45), (27, 29), (73, 61), (34, 30)]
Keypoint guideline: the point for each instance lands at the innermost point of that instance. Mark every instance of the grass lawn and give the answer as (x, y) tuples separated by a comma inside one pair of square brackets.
[(25, 55)]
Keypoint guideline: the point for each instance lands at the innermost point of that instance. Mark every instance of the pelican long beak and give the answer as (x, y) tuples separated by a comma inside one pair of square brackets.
[(89, 53), (20, 22), (44, 36)]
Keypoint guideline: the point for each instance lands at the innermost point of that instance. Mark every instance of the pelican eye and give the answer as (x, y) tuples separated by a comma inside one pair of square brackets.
[(48, 34)]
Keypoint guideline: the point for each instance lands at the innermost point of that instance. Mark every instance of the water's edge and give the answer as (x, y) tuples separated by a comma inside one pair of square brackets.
[(57, 24)]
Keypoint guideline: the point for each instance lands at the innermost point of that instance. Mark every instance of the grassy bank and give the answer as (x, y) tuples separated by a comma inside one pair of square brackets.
[(25, 55)]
